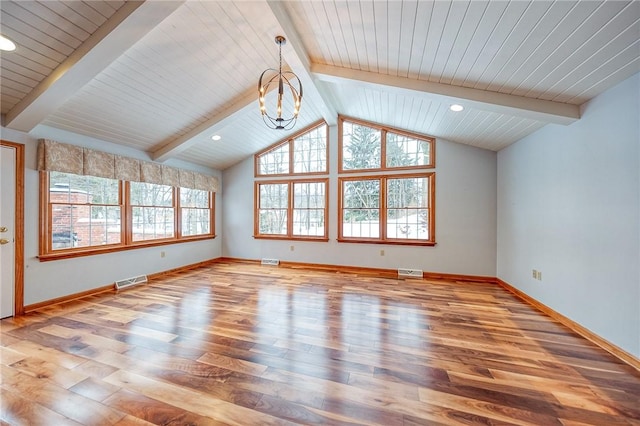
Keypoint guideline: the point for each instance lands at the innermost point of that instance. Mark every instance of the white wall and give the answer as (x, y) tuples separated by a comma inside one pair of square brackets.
[(569, 206), (57, 278), (465, 220)]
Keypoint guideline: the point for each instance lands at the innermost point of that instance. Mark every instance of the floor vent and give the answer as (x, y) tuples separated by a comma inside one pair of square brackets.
[(415, 273), (273, 262), (129, 282)]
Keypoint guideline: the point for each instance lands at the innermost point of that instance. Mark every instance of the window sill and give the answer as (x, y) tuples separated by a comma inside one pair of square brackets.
[(287, 238), (90, 251), (388, 242)]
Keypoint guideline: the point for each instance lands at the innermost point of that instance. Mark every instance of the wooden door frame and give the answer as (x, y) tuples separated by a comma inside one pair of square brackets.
[(19, 229)]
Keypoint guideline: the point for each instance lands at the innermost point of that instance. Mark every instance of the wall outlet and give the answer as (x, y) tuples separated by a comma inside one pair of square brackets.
[(381, 252), (534, 274), (539, 277), (162, 254), (291, 248)]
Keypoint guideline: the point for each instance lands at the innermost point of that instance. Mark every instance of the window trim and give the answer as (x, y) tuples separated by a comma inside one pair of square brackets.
[(46, 252), (383, 209), (291, 141), (290, 208), (383, 146)]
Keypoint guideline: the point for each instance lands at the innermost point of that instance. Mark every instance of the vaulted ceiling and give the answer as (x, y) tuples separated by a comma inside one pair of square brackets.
[(164, 76)]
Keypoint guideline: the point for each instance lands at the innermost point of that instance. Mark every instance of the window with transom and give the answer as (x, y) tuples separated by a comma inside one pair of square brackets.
[(386, 188), (290, 205)]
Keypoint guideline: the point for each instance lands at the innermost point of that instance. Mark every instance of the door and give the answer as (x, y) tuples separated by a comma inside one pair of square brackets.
[(7, 230)]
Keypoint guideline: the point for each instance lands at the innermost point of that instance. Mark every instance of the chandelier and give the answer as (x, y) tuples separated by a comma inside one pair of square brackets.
[(287, 82)]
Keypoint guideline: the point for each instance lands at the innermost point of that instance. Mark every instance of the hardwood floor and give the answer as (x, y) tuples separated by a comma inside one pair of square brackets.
[(243, 344)]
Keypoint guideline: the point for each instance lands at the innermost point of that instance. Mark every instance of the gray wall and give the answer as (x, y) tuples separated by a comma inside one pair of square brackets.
[(52, 279), (465, 220), (568, 205)]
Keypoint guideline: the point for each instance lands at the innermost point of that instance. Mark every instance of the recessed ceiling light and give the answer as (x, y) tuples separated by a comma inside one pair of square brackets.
[(216, 137), (6, 44), (456, 107)]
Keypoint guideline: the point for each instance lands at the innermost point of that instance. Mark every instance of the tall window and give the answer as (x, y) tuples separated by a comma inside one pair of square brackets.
[(395, 207), (290, 205), (85, 214)]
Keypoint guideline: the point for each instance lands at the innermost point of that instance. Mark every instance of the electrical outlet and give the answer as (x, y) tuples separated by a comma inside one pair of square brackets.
[(291, 248), (162, 254), (381, 252), (534, 274), (539, 277)]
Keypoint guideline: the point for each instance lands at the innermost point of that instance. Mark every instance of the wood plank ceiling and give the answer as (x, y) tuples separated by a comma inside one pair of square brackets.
[(163, 77)]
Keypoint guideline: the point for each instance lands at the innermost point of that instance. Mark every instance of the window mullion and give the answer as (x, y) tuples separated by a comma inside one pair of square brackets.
[(177, 217), (127, 215), (290, 210), (174, 205), (382, 205), (383, 149), (291, 155)]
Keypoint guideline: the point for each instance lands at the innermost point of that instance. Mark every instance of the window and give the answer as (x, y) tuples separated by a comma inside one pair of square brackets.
[(309, 208), (304, 153), (396, 207), (195, 208), (291, 209), (273, 208), (152, 211), (367, 146), (85, 215), (275, 161), (389, 209), (85, 211), (290, 205)]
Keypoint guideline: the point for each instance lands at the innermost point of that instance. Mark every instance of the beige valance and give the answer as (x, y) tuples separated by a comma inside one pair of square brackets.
[(127, 168), (61, 157), (170, 176), (98, 163)]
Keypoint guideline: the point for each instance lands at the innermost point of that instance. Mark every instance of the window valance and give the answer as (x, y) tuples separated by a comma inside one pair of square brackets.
[(61, 157)]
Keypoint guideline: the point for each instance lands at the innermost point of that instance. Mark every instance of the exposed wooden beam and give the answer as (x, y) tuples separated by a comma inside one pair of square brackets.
[(535, 109), (248, 101), (296, 57), (128, 25)]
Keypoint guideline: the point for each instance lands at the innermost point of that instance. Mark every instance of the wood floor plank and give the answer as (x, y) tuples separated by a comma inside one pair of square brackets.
[(236, 343), (70, 405), (17, 410)]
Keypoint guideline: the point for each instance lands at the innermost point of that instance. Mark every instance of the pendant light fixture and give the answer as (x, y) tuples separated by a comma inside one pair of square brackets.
[(288, 85)]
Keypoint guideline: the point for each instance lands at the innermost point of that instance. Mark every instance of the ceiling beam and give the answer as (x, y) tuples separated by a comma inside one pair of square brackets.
[(535, 109), (296, 57), (207, 129), (128, 25)]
